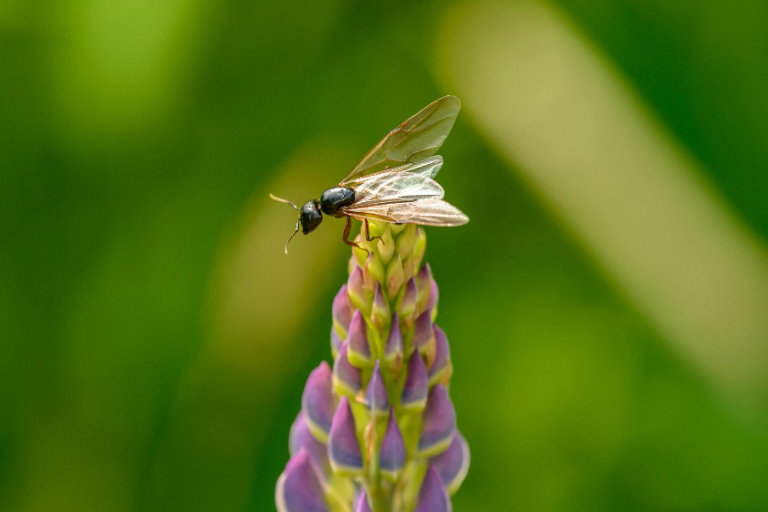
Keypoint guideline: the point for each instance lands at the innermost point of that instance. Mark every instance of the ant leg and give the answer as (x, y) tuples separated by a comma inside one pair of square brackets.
[(368, 234), (346, 234)]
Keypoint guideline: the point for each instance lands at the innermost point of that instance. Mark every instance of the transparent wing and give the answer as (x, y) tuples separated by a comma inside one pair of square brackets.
[(417, 139), (428, 168), (426, 212), (394, 187)]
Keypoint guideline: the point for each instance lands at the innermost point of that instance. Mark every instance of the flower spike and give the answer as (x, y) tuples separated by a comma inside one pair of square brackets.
[(377, 428)]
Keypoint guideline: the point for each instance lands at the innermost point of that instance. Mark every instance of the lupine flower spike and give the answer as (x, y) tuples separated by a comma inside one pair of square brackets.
[(377, 430)]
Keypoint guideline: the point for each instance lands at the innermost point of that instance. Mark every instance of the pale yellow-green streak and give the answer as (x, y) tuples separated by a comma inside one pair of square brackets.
[(554, 107), (260, 300)]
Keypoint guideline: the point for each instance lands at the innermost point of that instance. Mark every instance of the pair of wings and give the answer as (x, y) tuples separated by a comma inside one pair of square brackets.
[(394, 181)]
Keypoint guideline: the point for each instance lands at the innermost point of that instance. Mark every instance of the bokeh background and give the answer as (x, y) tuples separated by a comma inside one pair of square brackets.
[(607, 305)]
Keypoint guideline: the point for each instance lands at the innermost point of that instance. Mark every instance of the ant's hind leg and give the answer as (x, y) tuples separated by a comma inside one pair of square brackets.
[(368, 234), (347, 228)]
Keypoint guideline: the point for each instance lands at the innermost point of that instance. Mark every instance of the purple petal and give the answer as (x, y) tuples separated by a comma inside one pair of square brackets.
[(442, 356), (361, 504), (347, 379), (300, 437), (300, 487), (423, 279), (423, 331), (376, 398), (416, 384), (434, 295), (380, 314), (335, 341), (394, 346), (392, 453), (408, 304), (359, 350), (453, 463), (342, 312), (356, 289), (432, 496), (317, 401), (438, 423), (343, 447)]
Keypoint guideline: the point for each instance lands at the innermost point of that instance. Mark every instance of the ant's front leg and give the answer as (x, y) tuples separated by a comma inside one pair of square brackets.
[(368, 234), (346, 234)]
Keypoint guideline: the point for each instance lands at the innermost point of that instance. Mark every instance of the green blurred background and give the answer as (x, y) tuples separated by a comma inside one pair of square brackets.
[(606, 305)]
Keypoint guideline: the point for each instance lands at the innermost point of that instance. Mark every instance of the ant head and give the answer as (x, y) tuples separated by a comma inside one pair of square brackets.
[(310, 217)]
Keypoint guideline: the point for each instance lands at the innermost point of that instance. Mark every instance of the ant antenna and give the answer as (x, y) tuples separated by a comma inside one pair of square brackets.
[(297, 222), (284, 201), (291, 237)]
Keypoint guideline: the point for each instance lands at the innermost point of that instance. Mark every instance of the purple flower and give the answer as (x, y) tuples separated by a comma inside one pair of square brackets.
[(342, 312), (394, 346), (359, 349), (452, 465), (300, 488), (416, 384), (376, 398), (301, 438), (317, 402), (432, 495), (380, 314), (362, 503), (358, 296), (347, 379), (392, 452), (438, 423), (343, 447), (368, 428), (423, 334), (441, 363)]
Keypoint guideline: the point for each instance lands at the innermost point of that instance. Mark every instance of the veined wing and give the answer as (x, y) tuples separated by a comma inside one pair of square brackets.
[(426, 212), (417, 139), (394, 187), (428, 168)]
